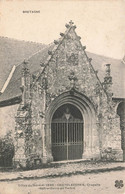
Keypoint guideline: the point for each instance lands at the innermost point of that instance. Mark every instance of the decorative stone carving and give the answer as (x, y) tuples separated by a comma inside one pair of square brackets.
[(72, 79), (71, 22), (45, 82), (56, 42), (61, 34), (90, 59), (42, 64), (72, 59), (84, 47), (79, 38), (67, 25), (50, 52)]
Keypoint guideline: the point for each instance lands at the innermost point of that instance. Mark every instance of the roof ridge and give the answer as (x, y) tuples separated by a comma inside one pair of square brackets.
[(101, 55), (32, 55), (28, 41), (16, 66)]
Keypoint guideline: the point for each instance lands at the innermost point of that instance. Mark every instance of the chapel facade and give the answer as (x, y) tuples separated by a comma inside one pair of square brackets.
[(65, 112)]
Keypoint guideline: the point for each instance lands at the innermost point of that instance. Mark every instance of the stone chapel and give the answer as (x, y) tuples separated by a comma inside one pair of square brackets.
[(67, 106)]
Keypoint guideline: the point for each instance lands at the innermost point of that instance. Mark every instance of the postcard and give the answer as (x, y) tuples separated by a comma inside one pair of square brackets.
[(62, 96)]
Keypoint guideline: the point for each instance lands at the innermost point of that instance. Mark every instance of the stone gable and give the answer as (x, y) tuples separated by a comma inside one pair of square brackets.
[(67, 77)]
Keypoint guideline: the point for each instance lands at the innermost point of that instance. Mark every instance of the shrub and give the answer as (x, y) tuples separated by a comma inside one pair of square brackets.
[(108, 154), (6, 150)]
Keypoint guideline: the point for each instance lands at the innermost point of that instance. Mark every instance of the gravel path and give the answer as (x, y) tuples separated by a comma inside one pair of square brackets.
[(60, 170)]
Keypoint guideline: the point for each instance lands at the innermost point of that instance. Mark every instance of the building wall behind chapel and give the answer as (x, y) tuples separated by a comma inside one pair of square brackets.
[(7, 119)]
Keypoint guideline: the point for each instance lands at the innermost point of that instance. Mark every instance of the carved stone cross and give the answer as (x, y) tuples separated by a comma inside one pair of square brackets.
[(71, 22)]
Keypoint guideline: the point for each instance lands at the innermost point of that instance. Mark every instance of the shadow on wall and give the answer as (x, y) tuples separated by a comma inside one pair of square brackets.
[(121, 113)]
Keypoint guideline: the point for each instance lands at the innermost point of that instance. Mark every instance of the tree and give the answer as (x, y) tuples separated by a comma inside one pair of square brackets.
[(6, 150)]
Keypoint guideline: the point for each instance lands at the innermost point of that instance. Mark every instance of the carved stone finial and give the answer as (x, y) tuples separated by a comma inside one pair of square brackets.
[(33, 76), (49, 52), (108, 78), (74, 27), (84, 47), (61, 34), (71, 22), (56, 42), (96, 72), (79, 37), (25, 68), (70, 25), (108, 70), (90, 59), (42, 64), (67, 25)]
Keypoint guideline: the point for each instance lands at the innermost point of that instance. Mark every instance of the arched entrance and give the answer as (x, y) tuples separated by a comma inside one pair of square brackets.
[(67, 133), (82, 111)]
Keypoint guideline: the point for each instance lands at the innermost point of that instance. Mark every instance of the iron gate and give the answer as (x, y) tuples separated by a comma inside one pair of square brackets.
[(67, 139)]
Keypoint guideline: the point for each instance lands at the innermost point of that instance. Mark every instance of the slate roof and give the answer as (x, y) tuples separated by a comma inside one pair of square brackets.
[(13, 88), (98, 61), (117, 72), (13, 52)]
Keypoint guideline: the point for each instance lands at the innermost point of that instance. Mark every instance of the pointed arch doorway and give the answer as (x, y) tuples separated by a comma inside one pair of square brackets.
[(67, 133)]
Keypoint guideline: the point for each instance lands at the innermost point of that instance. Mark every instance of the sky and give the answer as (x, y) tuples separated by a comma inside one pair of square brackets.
[(101, 24)]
